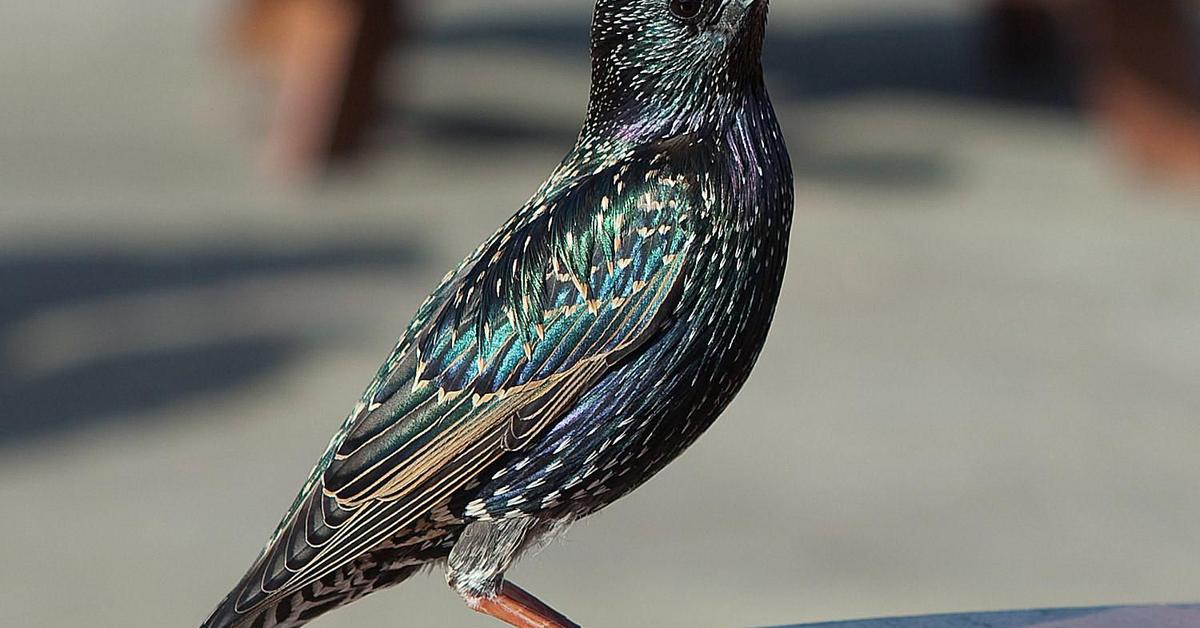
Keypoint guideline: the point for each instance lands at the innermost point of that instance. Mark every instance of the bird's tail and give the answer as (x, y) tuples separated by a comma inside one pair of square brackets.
[(336, 589)]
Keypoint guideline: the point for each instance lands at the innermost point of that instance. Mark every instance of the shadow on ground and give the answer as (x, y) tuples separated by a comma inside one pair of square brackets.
[(945, 57), (113, 388)]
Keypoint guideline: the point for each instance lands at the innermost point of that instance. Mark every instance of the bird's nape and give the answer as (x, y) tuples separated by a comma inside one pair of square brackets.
[(662, 70)]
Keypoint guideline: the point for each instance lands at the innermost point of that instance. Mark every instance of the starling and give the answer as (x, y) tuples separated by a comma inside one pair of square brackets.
[(577, 351)]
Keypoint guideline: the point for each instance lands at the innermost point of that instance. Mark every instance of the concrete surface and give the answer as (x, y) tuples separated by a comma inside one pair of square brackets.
[(981, 391)]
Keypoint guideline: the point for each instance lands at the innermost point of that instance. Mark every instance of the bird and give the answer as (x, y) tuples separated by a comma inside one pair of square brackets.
[(577, 351)]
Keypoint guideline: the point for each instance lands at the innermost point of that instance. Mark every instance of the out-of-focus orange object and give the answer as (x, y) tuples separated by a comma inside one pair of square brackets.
[(324, 58), (1141, 78)]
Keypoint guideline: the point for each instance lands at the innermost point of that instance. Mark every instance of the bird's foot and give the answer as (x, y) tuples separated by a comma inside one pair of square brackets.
[(517, 607)]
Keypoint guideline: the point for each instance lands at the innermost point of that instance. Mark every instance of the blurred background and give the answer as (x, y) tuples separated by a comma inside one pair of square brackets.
[(980, 392)]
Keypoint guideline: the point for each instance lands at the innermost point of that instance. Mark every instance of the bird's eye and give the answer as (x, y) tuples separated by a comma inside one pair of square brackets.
[(687, 9)]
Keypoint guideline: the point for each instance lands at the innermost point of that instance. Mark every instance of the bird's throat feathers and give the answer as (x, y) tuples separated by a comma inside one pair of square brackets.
[(655, 77)]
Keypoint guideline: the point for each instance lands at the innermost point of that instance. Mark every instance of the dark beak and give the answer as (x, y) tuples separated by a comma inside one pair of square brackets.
[(737, 14)]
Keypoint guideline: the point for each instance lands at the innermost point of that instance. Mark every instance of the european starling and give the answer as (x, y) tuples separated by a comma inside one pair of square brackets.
[(576, 352)]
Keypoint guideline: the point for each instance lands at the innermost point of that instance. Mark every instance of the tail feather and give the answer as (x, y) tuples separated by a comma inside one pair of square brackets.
[(264, 598), (339, 588)]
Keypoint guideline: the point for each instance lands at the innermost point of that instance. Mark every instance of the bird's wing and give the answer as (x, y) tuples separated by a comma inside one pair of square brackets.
[(535, 317)]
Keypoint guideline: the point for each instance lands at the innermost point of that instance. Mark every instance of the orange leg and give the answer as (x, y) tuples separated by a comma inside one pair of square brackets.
[(517, 607)]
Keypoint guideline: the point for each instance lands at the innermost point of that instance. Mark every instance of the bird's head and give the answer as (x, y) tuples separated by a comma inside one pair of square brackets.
[(662, 68)]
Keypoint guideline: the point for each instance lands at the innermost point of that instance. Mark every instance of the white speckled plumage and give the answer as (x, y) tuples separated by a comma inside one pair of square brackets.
[(577, 351)]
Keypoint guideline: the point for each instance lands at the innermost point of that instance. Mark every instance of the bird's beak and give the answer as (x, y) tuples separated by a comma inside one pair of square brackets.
[(737, 14)]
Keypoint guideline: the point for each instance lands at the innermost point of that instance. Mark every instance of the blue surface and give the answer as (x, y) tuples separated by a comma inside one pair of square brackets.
[(1105, 617)]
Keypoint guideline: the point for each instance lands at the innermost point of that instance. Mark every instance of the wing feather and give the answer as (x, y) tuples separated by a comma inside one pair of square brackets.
[(536, 316)]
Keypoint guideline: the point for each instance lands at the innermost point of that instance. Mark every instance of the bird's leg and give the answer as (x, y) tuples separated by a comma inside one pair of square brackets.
[(517, 607), (483, 552)]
